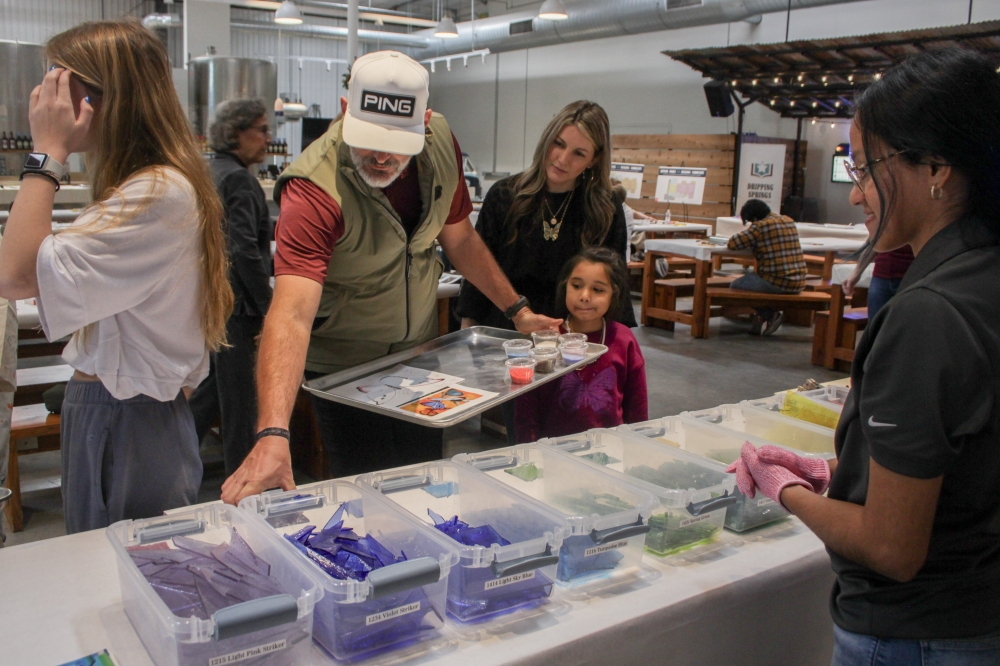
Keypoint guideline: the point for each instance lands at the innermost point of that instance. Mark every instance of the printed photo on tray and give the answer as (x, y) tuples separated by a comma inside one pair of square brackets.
[(395, 386), (447, 401)]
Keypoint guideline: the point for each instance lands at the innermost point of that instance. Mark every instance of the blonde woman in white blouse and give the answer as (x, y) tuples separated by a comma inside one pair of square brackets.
[(140, 279)]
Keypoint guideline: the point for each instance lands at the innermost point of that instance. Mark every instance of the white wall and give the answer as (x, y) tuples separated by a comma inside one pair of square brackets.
[(644, 91)]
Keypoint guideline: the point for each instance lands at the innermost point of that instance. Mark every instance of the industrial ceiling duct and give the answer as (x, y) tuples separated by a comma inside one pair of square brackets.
[(599, 19)]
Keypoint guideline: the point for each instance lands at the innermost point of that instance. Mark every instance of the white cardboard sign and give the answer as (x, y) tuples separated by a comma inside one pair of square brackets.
[(762, 170), (682, 185)]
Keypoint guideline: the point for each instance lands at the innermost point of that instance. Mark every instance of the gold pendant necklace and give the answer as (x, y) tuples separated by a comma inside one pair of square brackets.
[(550, 229)]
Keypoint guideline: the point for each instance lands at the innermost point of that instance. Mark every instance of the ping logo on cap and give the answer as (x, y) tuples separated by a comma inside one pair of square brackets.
[(387, 105)]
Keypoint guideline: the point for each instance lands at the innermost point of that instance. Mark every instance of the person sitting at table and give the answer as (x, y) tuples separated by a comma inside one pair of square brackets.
[(781, 268), (912, 513), (140, 279), (635, 238)]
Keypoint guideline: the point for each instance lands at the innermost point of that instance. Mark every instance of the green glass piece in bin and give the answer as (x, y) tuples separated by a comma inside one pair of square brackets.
[(527, 472), (667, 535), (601, 458)]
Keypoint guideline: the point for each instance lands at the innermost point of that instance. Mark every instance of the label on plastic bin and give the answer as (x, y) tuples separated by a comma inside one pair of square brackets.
[(249, 653), (765, 501), (597, 550), (390, 614), (695, 519), (509, 580)]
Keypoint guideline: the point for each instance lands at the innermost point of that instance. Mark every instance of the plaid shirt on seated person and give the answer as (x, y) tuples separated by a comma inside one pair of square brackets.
[(774, 242)]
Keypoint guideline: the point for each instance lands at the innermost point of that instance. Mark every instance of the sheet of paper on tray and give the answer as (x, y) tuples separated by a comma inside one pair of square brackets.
[(424, 393)]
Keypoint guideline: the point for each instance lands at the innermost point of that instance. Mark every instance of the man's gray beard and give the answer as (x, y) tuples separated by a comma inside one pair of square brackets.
[(371, 180)]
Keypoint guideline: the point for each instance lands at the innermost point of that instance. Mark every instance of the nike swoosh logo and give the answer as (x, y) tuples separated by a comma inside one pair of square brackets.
[(875, 424)]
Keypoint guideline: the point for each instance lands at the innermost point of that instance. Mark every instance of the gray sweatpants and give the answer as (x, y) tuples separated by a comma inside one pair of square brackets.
[(122, 459)]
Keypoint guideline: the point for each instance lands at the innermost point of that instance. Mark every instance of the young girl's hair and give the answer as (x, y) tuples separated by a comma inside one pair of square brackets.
[(614, 266), (141, 129)]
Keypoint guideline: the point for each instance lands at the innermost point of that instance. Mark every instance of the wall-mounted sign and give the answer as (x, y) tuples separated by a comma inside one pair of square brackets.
[(683, 185), (630, 176), (762, 171)]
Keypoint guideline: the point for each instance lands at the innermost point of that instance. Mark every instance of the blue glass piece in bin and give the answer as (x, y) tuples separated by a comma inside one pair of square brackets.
[(465, 534), (439, 490), (335, 523), (373, 623), (574, 562)]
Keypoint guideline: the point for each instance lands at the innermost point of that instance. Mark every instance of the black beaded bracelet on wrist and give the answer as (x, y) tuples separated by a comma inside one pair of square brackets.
[(44, 174), (273, 432)]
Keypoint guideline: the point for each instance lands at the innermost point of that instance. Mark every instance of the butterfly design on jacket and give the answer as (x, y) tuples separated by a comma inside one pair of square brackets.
[(598, 394)]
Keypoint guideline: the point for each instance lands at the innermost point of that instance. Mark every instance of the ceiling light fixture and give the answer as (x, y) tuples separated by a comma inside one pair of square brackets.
[(288, 14), (446, 28), (553, 10)]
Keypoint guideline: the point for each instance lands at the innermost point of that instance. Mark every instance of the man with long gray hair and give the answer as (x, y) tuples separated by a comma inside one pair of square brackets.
[(239, 137)]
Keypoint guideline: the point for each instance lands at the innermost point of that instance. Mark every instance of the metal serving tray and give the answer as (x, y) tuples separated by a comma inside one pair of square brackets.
[(475, 354)]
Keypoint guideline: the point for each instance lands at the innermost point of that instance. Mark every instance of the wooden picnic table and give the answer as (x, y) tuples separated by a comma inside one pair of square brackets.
[(704, 252)]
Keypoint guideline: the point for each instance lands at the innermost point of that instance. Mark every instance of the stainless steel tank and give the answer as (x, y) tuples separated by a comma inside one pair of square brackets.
[(216, 79), (22, 67)]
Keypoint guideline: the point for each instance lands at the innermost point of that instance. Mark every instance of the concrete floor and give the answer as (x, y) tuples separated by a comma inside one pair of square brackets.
[(682, 374)]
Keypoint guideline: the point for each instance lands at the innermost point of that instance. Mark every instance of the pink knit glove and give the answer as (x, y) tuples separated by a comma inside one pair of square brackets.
[(752, 475), (813, 470)]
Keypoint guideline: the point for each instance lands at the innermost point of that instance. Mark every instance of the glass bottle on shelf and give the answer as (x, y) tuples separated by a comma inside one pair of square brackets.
[(3, 142)]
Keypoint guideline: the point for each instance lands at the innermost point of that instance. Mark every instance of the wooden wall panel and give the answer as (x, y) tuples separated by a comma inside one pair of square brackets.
[(713, 152)]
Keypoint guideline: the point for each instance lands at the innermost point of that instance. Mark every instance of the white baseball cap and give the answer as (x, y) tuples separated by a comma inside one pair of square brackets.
[(386, 103)]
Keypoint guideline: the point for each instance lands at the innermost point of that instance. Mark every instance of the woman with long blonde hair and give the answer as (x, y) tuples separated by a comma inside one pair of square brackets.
[(139, 280), (535, 221)]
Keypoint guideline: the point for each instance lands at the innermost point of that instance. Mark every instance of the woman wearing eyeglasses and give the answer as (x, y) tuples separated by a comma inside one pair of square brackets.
[(912, 516)]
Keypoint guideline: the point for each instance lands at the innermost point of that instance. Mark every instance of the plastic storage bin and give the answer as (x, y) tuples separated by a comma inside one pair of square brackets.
[(693, 493), (487, 580), (273, 630), (719, 447), (397, 603), (770, 426), (607, 517), (831, 397)]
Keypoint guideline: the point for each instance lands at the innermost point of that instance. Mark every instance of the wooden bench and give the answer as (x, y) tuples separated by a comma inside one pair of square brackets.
[(853, 321), (26, 422), (666, 293), (33, 382), (804, 301)]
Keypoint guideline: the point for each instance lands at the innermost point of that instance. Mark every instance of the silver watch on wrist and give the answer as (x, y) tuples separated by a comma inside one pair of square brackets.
[(43, 163)]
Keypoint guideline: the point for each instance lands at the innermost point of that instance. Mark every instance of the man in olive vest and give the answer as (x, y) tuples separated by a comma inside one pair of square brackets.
[(356, 270)]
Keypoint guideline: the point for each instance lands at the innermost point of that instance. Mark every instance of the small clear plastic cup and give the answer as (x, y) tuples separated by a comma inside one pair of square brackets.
[(521, 370), (517, 348), (545, 359), (547, 338), (572, 337), (573, 351)]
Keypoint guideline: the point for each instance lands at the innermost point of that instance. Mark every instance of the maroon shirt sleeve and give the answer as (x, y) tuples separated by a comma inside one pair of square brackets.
[(461, 205), (308, 228)]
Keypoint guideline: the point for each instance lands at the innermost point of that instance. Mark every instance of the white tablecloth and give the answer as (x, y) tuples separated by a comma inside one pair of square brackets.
[(673, 227), (759, 604), (27, 313), (843, 271), (728, 226), (691, 247), (819, 245)]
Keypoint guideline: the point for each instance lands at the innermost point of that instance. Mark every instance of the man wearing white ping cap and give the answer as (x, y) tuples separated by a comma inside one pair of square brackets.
[(356, 269)]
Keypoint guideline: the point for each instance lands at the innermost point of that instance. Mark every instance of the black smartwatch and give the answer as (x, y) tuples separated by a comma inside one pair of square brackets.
[(519, 305)]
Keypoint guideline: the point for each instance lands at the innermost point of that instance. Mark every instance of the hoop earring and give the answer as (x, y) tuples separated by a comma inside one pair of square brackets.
[(937, 192)]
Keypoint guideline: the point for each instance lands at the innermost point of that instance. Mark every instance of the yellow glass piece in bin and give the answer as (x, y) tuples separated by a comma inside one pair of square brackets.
[(804, 409)]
